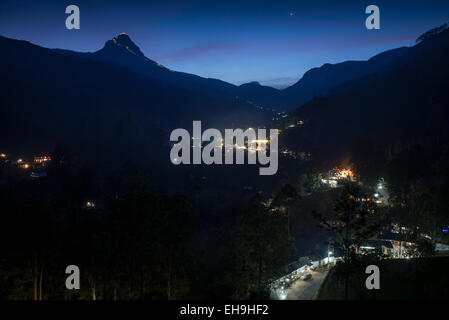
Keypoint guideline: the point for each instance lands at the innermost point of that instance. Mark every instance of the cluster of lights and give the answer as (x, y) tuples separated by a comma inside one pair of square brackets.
[(344, 174), (289, 153), (381, 195), (90, 204), (338, 174), (299, 123), (42, 159), (21, 163), (250, 148)]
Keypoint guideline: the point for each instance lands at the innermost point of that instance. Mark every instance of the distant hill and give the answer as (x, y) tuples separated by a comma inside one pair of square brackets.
[(330, 78), (320, 81), (113, 97), (315, 82), (259, 94), (383, 113), (123, 51), (47, 96)]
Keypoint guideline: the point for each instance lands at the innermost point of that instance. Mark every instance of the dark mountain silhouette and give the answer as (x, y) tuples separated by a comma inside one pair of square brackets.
[(432, 32), (341, 76), (117, 98), (122, 50), (320, 81), (259, 94), (315, 82), (47, 96), (383, 113), (323, 80)]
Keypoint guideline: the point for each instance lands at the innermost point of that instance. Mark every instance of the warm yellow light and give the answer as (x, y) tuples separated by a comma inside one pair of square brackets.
[(90, 204), (260, 141), (42, 159), (2, 155)]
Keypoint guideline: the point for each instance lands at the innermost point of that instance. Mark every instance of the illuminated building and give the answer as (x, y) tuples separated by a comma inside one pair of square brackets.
[(42, 159)]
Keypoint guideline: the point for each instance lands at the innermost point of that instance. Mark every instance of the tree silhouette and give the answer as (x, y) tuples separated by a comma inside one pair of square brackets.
[(351, 222)]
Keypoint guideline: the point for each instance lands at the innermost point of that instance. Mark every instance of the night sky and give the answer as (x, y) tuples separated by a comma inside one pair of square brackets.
[(273, 42)]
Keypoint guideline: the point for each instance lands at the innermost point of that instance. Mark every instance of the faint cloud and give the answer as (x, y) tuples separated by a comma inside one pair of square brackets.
[(280, 83), (334, 43), (192, 52)]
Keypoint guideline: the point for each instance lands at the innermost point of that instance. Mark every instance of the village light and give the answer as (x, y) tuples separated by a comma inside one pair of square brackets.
[(181, 149), (283, 295), (260, 141), (42, 159), (90, 204)]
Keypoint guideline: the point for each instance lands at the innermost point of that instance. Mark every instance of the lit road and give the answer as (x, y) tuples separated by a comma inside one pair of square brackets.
[(305, 290)]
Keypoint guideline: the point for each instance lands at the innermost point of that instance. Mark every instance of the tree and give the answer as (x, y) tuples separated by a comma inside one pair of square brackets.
[(431, 33), (259, 250), (153, 239), (284, 200), (351, 222)]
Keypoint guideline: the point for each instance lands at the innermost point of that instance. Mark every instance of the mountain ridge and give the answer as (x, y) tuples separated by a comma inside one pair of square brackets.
[(380, 115), (87, 101), (315, 82)]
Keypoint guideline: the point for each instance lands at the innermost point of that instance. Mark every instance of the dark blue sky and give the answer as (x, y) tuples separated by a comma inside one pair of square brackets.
[(273, 42)]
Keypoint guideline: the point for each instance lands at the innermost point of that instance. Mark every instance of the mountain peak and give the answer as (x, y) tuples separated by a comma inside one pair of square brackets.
[(123, 38), (124, 41)]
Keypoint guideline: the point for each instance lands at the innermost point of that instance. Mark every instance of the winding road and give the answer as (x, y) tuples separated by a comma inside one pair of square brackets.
[(306, 290)]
